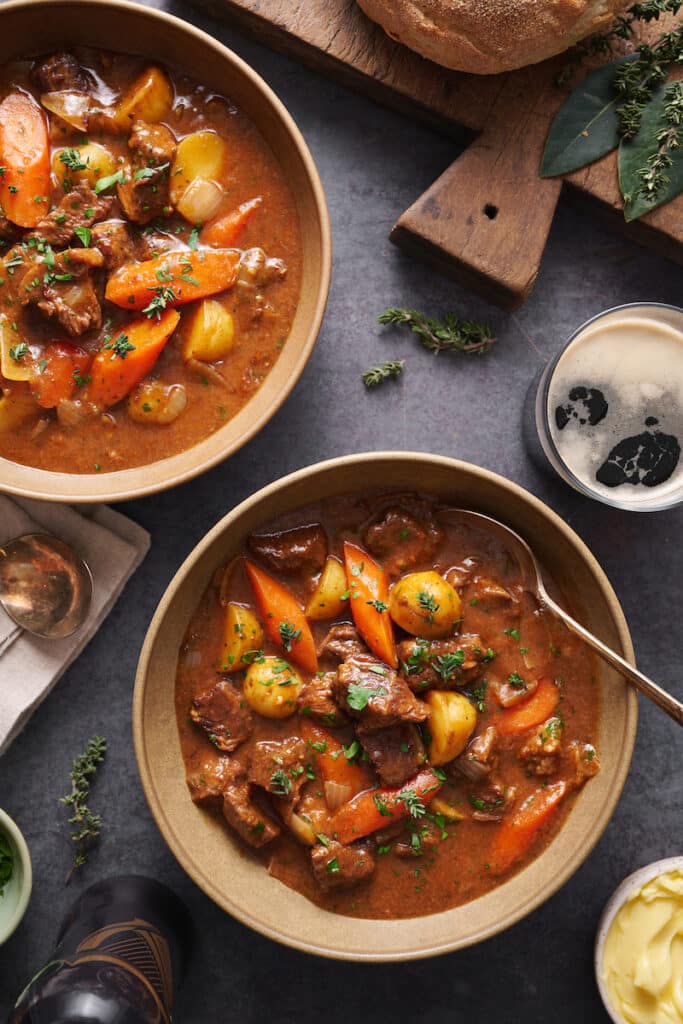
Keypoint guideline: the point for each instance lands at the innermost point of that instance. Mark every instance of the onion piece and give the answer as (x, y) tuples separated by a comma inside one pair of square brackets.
[(207, 371), (302, 830), (200, 201), (72, 107), (336, 794)]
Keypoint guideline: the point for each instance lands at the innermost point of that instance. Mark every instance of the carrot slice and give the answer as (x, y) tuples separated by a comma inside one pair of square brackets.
[(225, 231), (58, 372), (533, 711), (25, 160), (279, 608), (132, 353), (376, 808), (332, 761), (515, 835), (369, 600), (172, 279)]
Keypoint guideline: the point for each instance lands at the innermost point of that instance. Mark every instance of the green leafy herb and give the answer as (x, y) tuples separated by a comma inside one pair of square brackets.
[(17, 352), (448, 665), (428, 604), (516, 681), (119, 346), (102, 184), (449, 335), (352, 751), (193, 238), (358, 696), (163, 295), (319, 746), (150, 172), (383, 371), (333, 866), (651, 166), (512, 632), (84, 235), (381, 806), (289, 635), (6, 863), (87, 826), (378, 605), (72, 159), (413, 803), (280, 783)]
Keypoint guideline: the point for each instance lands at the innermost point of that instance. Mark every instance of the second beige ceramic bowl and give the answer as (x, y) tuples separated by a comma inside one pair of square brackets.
[(42, 26), (244, 888)]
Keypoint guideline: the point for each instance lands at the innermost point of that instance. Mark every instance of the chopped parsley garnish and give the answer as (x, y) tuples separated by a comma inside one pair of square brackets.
[(84, 235), (319, 746), (333, 866), (516, 681), (280, 783), (149, 172), (289, 635), (428, 604), (478, 697), (488, 656), (193, 238), (79, 380), (119, 346), (381, 806), (512, 632), (352, 751), (378, 605), (72, 159), (17, 352), (102, 184), (358, 696), (447, 665), (253, 656)]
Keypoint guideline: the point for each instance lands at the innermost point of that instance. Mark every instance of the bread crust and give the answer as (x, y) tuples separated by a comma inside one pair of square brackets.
[(487, 37)]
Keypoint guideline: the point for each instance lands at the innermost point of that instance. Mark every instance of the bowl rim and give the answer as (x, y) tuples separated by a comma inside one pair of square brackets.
[(626, 888), (187, 862), (113, 486), (10, 827)]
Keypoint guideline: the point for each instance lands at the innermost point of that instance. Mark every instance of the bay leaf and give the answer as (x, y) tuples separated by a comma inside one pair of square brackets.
[(586, 126), (633, 156)]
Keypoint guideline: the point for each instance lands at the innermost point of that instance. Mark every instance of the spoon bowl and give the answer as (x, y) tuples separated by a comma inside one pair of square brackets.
[(532, 581), (45, 587)]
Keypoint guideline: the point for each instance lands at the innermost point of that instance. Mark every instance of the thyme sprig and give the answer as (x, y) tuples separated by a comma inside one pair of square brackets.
[(373, 377), (87, 825), (636, 80), (653, 177), (449, 335)]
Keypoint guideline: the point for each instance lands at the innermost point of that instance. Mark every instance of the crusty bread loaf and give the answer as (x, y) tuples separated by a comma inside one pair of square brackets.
[(489, 36)]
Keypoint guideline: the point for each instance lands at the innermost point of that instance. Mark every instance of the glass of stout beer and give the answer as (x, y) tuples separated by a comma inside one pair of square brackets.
[(606, 414)]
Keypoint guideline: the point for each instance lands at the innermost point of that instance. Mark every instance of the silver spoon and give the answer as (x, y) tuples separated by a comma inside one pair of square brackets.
[(533, 582), (45, 587)]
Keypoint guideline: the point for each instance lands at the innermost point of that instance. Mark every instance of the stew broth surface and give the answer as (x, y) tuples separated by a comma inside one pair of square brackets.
[(62, 438), (521, 641)]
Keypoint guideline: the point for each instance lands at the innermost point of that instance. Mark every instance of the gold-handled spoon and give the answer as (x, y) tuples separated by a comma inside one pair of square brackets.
[(45, 587), (533, 582)]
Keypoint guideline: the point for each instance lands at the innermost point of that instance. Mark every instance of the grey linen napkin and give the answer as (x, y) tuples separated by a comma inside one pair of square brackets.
[(113, 546)]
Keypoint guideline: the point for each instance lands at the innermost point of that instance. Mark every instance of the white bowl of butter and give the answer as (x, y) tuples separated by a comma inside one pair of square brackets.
[(639, 947)]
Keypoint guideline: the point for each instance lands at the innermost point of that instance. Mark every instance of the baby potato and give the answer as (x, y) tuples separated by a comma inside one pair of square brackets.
[(242, 633), (17, 406), (149, 98), (326, 601), (424, 604), (451, 723), (154, 402), (210, 334), (271, 687), (83, 163), (199, 155)]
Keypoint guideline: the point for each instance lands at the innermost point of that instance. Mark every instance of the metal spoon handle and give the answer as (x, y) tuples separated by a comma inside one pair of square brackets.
[(661, 698)]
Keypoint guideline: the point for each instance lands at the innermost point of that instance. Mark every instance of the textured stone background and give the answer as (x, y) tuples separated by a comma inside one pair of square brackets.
[(373, 163)]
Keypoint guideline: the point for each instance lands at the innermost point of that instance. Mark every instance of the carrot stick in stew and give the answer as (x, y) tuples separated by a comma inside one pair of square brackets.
[(225, 231), (376, 808), (533, 711), (59, 371), (283, 618), (127, 358), (25, 160), (172, 279), (369, 601), (515, 835), (335, 767)]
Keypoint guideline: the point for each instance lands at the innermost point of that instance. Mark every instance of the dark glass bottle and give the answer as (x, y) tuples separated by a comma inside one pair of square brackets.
[(120, 954)]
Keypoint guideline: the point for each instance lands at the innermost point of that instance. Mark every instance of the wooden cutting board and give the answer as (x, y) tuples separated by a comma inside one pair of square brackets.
[(486, 220)]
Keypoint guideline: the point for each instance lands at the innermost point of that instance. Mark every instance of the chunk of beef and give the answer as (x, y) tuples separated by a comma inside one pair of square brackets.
[(401, 541), (510, 693), (151, 243), (65, 290), (341, 867), (493, 802), (316, 699), (304, 547), (479, 758), (279, 767), (396, 753), (144, 194), (246, 817), (113, 239), (60, 72), (367, 689), (542, 750), (221, 711), (490, 595), (208, 782), (342, 641), (79, 208), (584, 761), (445, 664)]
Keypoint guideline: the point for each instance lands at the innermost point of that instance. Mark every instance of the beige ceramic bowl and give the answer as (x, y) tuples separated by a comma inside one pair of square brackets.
[(203, 846), (31, 27)]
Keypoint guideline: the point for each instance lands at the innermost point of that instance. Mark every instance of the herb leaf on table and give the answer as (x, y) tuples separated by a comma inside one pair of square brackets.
[(449, 335), (373, 377), (87, 825)]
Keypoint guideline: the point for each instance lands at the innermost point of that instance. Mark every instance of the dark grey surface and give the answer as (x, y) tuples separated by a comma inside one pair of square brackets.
[(373, 164)]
